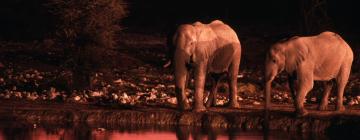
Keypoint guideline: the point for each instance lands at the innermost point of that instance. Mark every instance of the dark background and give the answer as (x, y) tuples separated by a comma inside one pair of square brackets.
[(29, 20)]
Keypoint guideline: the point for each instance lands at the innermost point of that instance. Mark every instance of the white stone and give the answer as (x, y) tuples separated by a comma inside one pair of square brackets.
[(77, 98)]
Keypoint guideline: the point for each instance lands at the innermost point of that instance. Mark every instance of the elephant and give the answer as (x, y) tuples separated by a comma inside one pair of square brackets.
[(323, 57), (206, 49)]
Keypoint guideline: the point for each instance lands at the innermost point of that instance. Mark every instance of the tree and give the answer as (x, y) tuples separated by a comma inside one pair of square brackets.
[(313, 16), (87, 30)]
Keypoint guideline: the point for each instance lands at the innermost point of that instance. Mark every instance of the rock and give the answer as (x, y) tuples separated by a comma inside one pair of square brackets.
[(220, 102), (18, 94), (123, 101), (96, 94), (27, 76), (77, 98), (277, 97), (119, 81), (140, 93), (114, 96), (53, 94), (153, 91), (7, 96), (100, 129), (332, 99), (286, 95), (247, 88), (160, 86), (125, 95), (144, 79), (43, 97), (132, 85), (171, 86), (256, 103), (172, 100), (31, 96), (190, 100), (353, 102), (152, 97), (162, 95)]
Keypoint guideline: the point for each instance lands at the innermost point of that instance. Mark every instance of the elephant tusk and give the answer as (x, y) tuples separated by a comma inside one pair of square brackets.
[(167, 64)]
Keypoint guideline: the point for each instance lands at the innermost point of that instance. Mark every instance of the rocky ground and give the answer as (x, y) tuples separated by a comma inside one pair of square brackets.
[(32, 71)]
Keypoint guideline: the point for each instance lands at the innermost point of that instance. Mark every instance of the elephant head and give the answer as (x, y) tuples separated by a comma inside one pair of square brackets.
[(306, 59), (205, 48), (274, 64), (280, 57)]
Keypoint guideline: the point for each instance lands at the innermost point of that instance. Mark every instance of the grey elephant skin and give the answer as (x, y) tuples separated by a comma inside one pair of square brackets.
[(207, 49), (324, 57)]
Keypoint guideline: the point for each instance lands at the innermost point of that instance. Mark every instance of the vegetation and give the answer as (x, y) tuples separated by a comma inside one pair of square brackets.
[(87, 30)]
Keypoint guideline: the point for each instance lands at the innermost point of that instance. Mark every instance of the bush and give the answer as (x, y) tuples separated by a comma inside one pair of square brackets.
[(87, 29), (88, 21)]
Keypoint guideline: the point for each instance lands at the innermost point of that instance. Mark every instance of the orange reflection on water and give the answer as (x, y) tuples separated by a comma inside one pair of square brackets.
[(103, 134), (143, 135)]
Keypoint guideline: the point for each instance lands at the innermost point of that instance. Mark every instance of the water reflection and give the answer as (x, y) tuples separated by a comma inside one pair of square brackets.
[(15, 131)]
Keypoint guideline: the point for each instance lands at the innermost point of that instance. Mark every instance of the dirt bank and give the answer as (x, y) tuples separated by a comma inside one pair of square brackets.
[(249, 117)]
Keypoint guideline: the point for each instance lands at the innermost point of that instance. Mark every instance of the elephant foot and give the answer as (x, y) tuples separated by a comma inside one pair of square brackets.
[(233, 104), (199, 109), (322, 107), (184, 106), (301, 112), (340, 108)]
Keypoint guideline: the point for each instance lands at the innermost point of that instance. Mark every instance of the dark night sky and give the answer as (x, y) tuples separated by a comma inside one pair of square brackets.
[(30, 20), (147, 12)]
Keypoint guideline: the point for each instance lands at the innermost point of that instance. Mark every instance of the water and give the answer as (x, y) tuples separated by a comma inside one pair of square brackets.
[(19, 131)]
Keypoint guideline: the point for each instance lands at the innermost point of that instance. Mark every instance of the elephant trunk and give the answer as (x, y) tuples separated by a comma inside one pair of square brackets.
[(181, 74), (269, 77), (267, 95), (167, 64)]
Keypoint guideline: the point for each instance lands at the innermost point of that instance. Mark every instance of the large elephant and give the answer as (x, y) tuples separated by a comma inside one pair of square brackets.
[(323, 57), (207, 49)]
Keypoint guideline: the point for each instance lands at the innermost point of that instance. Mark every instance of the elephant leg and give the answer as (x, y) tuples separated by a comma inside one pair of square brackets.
[(327, 89), (200, 75), (341, 82), (292, 88), (181, 76), (232, 81), (183, 103), (212, 96), (305, 84)]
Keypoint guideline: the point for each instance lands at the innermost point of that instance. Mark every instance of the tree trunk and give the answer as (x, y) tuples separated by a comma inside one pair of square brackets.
[(313, 16)]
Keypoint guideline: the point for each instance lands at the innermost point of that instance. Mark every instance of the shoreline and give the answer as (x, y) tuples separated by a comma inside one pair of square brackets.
[(249, 117)]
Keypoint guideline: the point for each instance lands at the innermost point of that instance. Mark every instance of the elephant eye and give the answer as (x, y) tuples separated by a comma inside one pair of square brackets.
[(274, 61)]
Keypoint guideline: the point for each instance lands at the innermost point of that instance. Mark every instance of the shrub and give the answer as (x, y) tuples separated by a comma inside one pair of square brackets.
[(87, 30)]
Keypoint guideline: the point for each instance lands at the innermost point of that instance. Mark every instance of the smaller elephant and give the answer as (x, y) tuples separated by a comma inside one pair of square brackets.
[(323, 57), (207, 49)]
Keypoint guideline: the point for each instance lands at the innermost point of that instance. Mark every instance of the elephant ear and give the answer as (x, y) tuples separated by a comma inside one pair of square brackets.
[(295, 54), (222, 59)]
